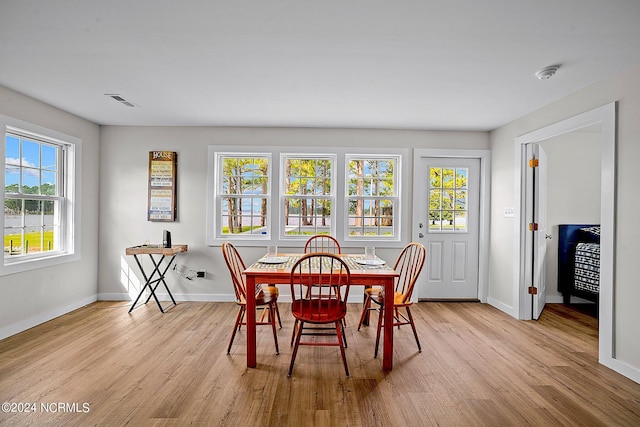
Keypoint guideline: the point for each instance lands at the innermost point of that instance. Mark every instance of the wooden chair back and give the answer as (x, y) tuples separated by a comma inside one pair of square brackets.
[(330, 278), (409, 264), (322, 243), (236, 266)]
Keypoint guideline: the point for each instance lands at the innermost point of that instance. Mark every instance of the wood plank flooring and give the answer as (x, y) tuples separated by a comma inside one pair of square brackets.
[(478, 367)]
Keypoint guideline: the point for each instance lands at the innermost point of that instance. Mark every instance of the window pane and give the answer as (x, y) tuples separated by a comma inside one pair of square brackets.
[(452, 198), (49, 157), (30, 181), (30, 154), (307, 216), (244, 215), (370, 217), (12, 179), (48, 186), (49, 237), (244, 175), (460, 221)]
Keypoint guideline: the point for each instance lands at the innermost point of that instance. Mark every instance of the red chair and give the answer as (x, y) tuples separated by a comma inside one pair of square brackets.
[(266, 296), (330, 277), (325, 244), (409, 264), (322, 243)]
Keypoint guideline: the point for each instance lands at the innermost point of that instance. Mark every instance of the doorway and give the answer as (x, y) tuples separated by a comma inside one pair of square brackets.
[(450, 211), (606, 117)]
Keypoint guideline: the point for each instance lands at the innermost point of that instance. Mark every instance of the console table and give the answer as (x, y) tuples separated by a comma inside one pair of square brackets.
[(150, 282)]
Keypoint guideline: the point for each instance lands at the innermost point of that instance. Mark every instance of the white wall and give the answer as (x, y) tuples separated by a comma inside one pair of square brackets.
[(624, 88), (123, 194), (39, 295), (573, 193)]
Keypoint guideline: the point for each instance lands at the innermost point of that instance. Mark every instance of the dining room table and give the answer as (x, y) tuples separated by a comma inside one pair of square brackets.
[(365, 271)]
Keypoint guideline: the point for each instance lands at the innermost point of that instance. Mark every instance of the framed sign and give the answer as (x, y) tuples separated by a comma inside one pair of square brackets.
[(162, 186)]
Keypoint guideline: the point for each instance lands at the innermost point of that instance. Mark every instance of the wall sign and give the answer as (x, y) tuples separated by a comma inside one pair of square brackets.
[(163, 167)]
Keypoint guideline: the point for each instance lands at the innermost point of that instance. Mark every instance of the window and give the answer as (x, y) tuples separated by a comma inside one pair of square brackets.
[(448, 194), (307, 195), (39, 190), (372, 196), (244, 195), (282, 197)]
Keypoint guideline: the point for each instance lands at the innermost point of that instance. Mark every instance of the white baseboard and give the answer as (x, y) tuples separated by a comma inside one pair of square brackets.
[(29, 323), (165, 297), (502, 307), (622, 368)]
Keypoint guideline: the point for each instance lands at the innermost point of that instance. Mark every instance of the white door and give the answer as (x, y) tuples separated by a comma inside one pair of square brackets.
[(539, 232), (448, 198)]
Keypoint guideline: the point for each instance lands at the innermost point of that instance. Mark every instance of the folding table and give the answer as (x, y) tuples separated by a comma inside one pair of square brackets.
[(150, 282)]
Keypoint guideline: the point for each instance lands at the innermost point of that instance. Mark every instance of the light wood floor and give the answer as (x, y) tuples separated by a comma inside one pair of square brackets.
[(478, 367)]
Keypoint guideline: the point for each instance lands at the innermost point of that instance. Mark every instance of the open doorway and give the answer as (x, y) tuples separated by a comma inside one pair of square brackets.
[(605, 116), (573, 170)]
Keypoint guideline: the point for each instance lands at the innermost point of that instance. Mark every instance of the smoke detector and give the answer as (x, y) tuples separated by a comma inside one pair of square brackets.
[(547, 72)]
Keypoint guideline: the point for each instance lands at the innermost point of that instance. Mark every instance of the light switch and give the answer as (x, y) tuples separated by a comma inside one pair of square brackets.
[(509, 212)]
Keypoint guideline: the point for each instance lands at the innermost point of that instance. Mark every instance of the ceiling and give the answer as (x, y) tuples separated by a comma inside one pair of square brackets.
[(438, 65)]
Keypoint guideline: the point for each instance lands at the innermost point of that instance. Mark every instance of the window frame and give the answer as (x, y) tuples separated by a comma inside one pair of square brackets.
[(68, 196), (216, 230), (332, 157), (275, 234), (397, 202)]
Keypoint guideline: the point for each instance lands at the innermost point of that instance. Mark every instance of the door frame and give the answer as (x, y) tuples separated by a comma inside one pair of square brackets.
[(485, 204), (606, 116)]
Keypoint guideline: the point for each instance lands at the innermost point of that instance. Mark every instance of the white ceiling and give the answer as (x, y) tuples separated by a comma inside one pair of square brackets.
[(441, 65)]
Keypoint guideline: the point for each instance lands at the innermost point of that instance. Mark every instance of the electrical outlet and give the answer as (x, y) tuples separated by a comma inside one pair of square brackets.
[(509, 212), (201, 273)]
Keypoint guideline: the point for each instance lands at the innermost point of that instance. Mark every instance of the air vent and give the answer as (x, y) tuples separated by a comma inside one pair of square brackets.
[(120, 99)]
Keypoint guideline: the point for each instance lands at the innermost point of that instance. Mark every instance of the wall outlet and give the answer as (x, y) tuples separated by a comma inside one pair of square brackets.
[(201, 273)]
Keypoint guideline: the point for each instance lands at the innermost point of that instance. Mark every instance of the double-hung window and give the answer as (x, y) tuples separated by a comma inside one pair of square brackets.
[(243, 195), (308, 195), (372, 196), (39, 194), (283, 196)]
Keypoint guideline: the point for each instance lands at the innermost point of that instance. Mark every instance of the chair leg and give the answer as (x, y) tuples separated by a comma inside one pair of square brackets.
[(380, 317), (365, 309), (295, 348), (340, 341), (413, 326), (295, 330), (236, 327), (272, 319), (278, 314), (344, 336)]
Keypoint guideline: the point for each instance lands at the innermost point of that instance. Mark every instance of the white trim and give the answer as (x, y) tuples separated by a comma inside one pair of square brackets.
[(485, 205), (40, 318), (273, 235), (71, 227), (606, 115)]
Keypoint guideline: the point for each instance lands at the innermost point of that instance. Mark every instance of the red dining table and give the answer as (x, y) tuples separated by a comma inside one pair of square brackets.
[(279, 274)]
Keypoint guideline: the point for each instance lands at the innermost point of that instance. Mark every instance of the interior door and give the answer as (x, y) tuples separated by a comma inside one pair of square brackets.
[(449, 214), (539, 261)]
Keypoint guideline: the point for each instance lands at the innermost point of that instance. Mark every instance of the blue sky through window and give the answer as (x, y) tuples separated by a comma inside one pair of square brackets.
[(33, 152)]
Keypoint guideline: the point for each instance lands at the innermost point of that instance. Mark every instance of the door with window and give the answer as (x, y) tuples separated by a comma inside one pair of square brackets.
[(448, 198)]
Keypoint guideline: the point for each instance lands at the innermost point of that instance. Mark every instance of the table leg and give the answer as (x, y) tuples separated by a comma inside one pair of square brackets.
[(156, 281), (161, 278), (251, 322), (387, 348), (147, 283)]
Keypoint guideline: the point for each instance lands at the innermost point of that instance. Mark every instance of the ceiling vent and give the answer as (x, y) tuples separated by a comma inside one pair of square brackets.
[(120, 99)]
